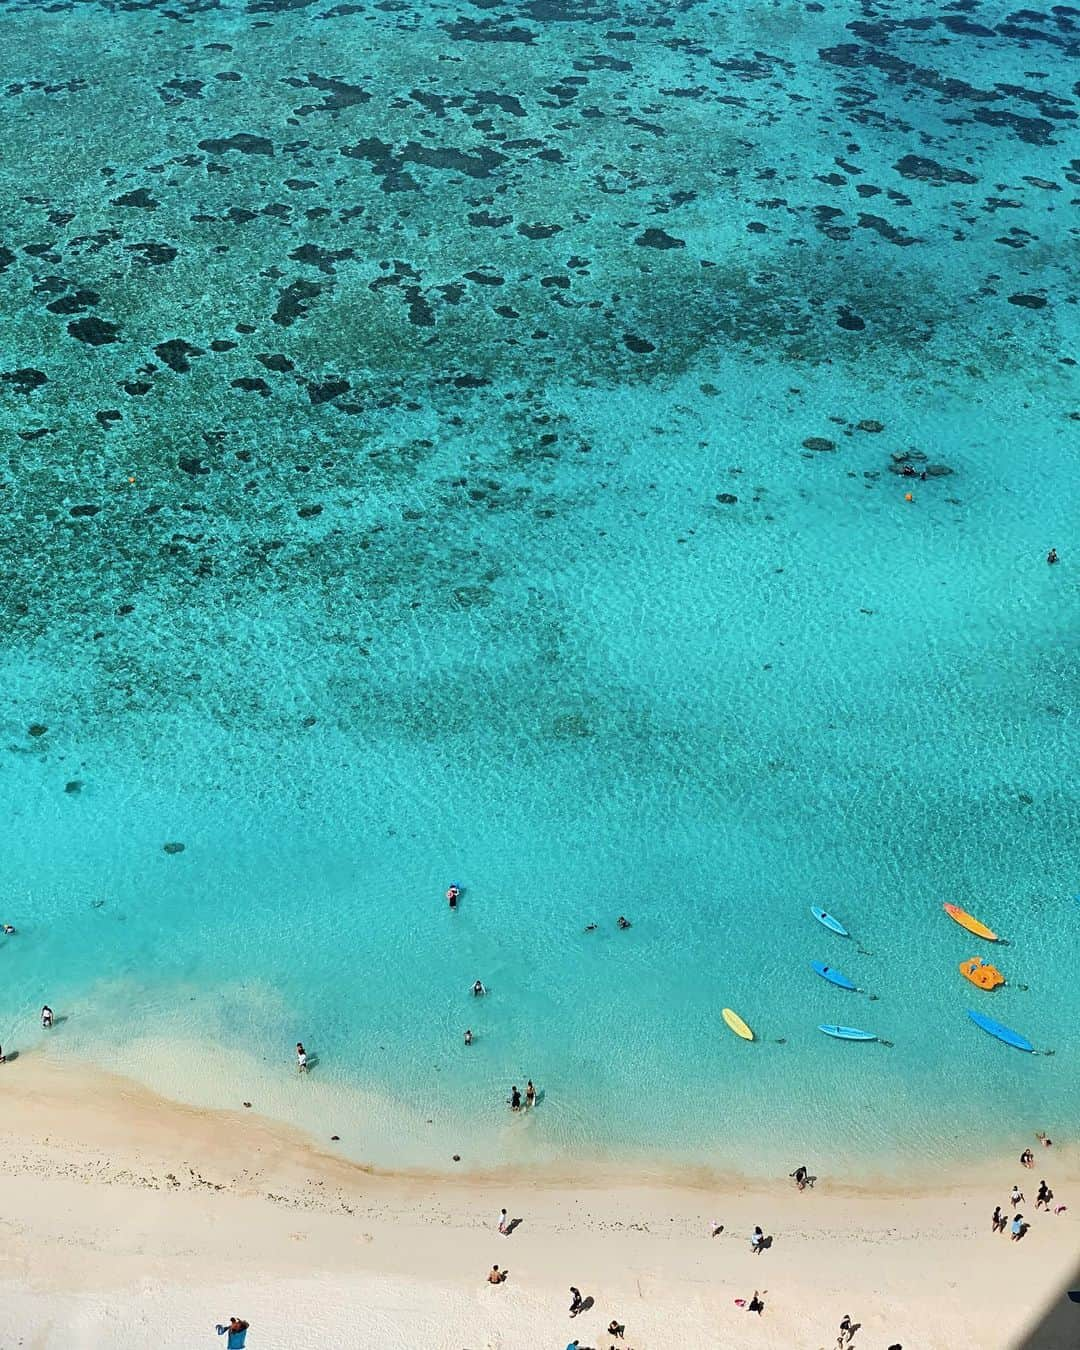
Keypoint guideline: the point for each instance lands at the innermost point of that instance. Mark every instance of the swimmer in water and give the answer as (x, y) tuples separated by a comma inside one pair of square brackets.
[(530, 1094), (590, 928), (623, 922), (8, 930), (452, 896), (515, 1099), (46, 1016), (468, 1036), (478, 989), (1052, 557)]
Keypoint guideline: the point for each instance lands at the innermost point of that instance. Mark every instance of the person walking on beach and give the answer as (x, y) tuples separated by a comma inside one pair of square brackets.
[(997, 1220), (576, 1301), (46, 1016), (1044, 1197), (236, 1330), (503, 1221), (530, 1094), (800, 1174), (1019, 1228), (757, 1241), (1017, 1197), (847, 1330), (515, 1099)]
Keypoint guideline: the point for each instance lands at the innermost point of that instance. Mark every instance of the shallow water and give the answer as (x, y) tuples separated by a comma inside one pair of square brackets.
[(371, 527)]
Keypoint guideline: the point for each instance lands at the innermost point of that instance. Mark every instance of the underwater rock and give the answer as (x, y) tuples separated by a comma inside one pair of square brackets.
[(142, 198), (638, 345), (173, 848), (727, 498), (869, 424), (653, 238), (242, 141), (307, 512), (26, 379), (93, 331), (36, 729), (75, 785), (820, 443), (177, 354), (1029, 301), (78, 511)]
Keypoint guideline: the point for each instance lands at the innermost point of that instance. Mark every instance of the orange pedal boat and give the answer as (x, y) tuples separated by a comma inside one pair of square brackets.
[(978, 972)]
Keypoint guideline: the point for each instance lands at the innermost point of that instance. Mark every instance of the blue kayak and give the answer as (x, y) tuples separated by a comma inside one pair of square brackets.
[(833, 976), (847, 1033), (1001, 1032), (829, 921)]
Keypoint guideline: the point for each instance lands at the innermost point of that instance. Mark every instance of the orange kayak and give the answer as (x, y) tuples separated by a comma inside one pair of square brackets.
[(965, 920), (978, 972)]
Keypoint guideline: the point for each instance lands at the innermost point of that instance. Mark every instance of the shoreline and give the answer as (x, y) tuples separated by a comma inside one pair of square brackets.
[(186, 1215)]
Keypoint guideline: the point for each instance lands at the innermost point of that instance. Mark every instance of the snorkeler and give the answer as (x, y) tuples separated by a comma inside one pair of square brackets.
[(623, 922), (478, 989)]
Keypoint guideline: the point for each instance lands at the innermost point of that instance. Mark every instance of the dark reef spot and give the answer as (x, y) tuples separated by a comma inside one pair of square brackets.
[(84, 511), (252, 385), (307, 512), (324, 391), (177, 354), (222, 345), (819, 443), (142, 198), (93, 331), (930, 171), (136, 387), (294, 302), (75, 785), (25, 380), (75, 303), (653, 238), (868, 424), (152, 254), (539, 231), (487, 220), (727, 498), (638, 345), (275, 361), (173, 848), (1028, 301), (193, 465), (242, 141), (849, 320), (36, 729)]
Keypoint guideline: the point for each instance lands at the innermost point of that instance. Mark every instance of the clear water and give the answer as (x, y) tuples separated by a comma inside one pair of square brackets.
[(518, 292)]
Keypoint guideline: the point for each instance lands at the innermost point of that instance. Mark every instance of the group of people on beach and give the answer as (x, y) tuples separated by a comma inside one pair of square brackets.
[(1018, 1225)]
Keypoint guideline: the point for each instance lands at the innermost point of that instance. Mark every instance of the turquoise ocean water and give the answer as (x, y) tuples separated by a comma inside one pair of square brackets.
[(460, 442)]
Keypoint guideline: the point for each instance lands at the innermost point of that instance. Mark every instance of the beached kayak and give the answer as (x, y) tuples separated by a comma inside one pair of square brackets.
[(828, 921), (1003, 1033), (965, 920), (833, 976), (847, 1033), (736, 1023)]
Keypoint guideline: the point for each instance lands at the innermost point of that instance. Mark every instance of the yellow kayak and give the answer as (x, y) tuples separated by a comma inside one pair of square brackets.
[(737, 1025), (965, 920)]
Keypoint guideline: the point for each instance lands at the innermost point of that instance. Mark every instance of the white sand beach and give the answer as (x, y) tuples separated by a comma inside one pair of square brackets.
[(131, 1220)]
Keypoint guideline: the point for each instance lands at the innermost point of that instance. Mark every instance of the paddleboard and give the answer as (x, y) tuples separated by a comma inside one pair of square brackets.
[(965, 920), (829, 921), (833, 976), (1003, 1033), (847, 1033), (737, 1025)]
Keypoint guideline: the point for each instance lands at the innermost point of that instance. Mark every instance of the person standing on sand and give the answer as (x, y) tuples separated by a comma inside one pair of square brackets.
[(757, 1241), (997, 1220), (1017, 1197), (46, 1016), (1044, 1197), (236, 1331), (847, 1330), (800, 1174), (1018, 1228), (576, 1301), (503, 1221)]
